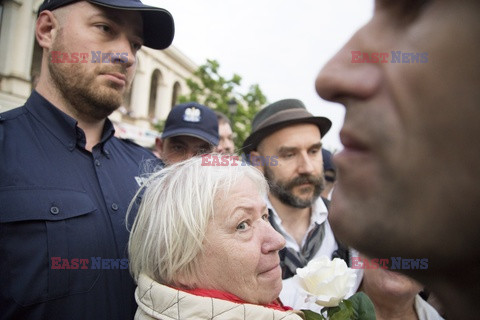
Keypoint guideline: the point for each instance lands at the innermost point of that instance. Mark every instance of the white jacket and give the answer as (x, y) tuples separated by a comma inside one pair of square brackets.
[(156, 301)]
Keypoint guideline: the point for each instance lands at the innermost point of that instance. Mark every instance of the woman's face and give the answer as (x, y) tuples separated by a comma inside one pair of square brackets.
[(240, 253)]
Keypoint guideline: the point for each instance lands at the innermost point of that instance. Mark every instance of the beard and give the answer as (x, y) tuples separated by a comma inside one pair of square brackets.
[(80, 86), (283, 190)]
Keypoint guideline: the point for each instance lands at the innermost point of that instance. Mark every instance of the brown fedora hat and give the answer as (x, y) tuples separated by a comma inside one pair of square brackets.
[(279, 115)]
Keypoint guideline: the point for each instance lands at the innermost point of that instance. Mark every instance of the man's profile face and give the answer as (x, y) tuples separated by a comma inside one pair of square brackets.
[(297, 178), (406, 125), (329, 180), (95, 87), (225, 144), (180, 148)]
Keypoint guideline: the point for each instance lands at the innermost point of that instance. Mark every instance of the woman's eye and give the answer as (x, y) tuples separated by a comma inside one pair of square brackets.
[(242, 226)]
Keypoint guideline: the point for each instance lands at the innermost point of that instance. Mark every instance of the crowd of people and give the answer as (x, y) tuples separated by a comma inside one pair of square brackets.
[(86, 234)]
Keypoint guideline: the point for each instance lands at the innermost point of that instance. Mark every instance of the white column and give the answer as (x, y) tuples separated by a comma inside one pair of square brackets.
[(141, 88), (164, 99), (16, 43), (166, 93)]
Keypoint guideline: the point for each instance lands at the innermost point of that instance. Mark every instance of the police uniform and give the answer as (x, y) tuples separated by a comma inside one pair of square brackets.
[(60, 203)]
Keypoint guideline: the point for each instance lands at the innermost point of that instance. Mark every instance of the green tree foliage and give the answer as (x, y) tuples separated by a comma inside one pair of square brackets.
[(215, 91)]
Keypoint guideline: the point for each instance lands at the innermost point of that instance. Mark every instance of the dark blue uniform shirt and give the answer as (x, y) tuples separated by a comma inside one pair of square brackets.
[(60, 203)]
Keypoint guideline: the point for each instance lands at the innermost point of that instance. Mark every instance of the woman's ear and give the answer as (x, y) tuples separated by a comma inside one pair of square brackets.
[(46, 29), (181, 281), (184, 281)]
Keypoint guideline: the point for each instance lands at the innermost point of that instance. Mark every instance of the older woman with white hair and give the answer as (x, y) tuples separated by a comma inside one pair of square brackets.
[(201, 246)]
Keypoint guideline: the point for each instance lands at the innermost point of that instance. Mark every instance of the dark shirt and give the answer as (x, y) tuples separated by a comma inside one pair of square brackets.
[(59, 201)]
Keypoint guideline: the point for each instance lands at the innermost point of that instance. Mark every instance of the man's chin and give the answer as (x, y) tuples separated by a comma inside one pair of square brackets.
[(306, 195), (111, 88), (110, 94), (302, 202), (103, 103)]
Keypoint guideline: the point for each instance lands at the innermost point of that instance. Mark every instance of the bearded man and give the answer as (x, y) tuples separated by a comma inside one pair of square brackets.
[(286, 145), (65, 180)]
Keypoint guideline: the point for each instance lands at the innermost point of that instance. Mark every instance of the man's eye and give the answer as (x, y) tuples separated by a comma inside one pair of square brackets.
[(286, 154), (265, 217), (405, 11), (202, 151), (177, 148), (104, 27), (136, 46)]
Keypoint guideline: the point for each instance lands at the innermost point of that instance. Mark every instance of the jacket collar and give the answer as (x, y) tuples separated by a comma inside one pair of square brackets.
[(163, 302), (61, 125)]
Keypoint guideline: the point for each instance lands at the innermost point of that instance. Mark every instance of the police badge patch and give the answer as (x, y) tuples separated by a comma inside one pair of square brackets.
[(192, 115)]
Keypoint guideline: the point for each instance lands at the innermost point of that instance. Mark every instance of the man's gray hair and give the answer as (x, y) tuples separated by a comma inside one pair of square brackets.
[(177, 205)]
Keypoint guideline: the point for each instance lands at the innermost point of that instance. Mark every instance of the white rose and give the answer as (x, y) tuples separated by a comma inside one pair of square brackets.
[(326, 281)]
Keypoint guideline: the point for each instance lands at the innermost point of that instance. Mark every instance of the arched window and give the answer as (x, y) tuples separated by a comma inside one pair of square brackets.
[(175, 93), (154, 87)]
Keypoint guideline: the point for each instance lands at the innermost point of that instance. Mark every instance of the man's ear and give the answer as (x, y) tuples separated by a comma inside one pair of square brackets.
[(159, 146), (256, 161), (46, 29)]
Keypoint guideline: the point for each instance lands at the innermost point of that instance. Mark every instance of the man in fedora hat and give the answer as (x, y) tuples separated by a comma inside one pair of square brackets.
[(191, 129), (65, 180), (287, 132)]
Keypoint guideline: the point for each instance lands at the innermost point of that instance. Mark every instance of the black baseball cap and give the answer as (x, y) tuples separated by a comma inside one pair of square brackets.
[(158, 25), (192, 119)]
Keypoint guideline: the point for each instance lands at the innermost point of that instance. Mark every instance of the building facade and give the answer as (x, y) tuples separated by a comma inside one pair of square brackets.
[(159, 81)]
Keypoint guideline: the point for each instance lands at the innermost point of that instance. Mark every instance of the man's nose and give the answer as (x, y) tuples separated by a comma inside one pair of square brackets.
[(305, 164), (126, 53), (342, 77)]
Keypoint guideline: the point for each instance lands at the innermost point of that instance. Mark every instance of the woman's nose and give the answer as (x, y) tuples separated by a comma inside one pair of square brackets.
[(272, 241)]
